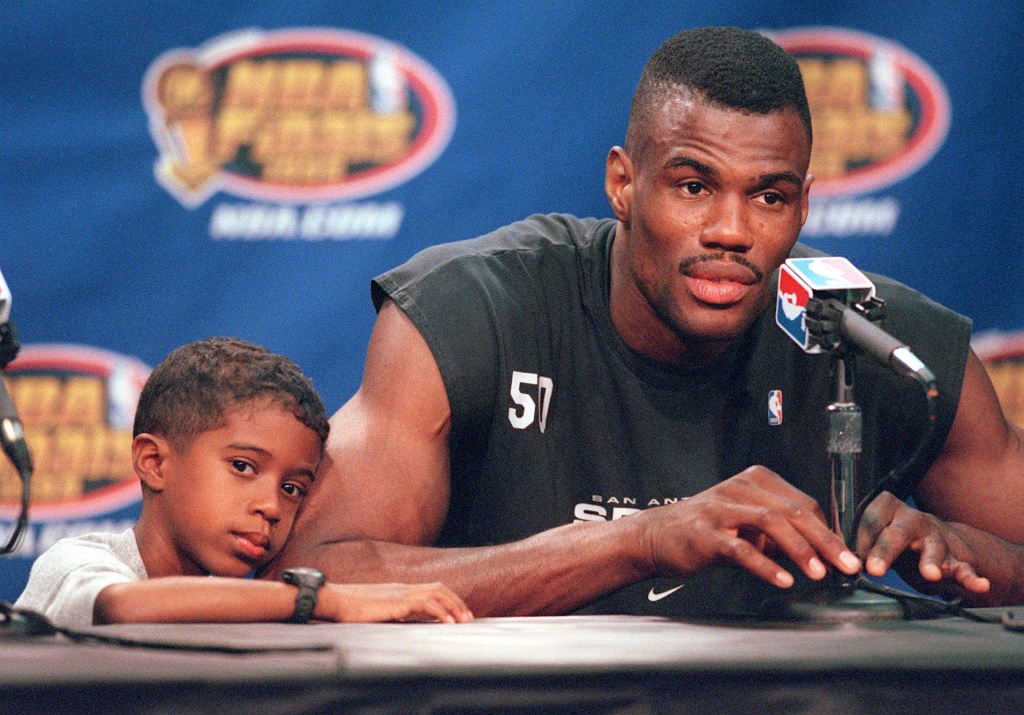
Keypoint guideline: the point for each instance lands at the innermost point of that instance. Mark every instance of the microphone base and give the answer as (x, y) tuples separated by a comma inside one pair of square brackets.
[(830, 607)]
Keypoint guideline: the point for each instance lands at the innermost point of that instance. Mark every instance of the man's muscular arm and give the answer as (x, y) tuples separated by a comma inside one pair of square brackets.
[(975, 488), (382, 495)]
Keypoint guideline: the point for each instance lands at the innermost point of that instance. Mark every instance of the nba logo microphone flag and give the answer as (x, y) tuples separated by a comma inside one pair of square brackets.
[(800, 279)]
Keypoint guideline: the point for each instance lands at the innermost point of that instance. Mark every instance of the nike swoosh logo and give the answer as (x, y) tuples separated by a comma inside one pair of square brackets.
[(652, 596)]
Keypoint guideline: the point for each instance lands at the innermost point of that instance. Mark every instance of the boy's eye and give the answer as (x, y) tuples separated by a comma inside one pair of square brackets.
[(293, 490), (240, 465)]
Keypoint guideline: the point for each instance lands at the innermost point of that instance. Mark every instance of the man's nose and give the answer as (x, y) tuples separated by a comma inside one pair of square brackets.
[(728, 227)]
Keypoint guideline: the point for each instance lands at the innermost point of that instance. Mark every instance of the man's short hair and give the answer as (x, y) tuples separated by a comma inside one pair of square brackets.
[(193, 388), (732, 68)]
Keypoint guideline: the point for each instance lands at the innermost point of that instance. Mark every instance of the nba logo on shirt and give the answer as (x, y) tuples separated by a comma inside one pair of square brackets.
[(775, 408)]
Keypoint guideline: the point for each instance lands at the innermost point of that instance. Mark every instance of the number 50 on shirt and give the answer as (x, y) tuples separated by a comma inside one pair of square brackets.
[(524, 386)]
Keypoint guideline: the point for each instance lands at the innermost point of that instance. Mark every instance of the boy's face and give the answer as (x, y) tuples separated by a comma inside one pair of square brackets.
[(229, 500)]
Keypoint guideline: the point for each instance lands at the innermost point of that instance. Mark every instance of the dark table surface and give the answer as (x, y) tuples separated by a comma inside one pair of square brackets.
[(523, 665)]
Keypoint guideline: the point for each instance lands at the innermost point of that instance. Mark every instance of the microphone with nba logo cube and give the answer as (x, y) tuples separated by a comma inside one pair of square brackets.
[(825, 304), (828, 306)]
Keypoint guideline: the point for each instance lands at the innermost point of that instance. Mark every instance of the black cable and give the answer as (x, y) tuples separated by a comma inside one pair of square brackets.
[(24, 467), (897, 473), (936, 606), (22, 522), (907, 600), (23, 622), (14, 444)]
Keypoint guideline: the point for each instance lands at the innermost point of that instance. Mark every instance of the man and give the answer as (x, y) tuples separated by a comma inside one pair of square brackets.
[(525, 390)]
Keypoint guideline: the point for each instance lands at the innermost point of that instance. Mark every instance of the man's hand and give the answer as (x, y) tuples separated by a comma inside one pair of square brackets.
[(929, 554), (377, 602), (738, 521)]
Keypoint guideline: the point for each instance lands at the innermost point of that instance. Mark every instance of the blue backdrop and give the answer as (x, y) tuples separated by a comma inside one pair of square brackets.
[(157, 188)]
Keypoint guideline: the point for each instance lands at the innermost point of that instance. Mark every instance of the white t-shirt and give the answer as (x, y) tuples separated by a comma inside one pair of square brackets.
[(66, 579)]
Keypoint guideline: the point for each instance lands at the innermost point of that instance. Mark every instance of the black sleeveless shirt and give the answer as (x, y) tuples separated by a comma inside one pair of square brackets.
[(556, 419)]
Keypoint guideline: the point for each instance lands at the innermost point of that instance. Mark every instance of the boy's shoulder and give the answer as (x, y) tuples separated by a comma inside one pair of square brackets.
[(97, 548), (67, 577)]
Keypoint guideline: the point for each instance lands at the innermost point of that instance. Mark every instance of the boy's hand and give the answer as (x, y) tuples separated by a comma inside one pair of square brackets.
[(375, 602)]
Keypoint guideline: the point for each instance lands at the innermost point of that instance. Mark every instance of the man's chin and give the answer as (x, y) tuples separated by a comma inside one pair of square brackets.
[(707, 341), (725, 323), (718, 325)]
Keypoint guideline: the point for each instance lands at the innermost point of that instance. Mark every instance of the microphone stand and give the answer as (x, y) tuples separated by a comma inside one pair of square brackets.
[(845, 430), (841, 601)]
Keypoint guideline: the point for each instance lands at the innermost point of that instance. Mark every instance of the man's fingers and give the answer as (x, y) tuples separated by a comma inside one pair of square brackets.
[(793, 520), (934, 553), (800, 535), (877, 515), (966, 576), (908, 531), (742, 552), (890, 542), (737, 519)]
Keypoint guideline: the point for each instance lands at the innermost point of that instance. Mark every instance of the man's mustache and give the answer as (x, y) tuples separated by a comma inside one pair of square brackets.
[(723, 257)]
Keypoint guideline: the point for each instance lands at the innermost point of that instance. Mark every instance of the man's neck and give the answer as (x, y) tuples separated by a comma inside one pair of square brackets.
[(641, 328)]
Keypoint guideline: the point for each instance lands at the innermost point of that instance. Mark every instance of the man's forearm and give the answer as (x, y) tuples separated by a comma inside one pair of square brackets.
[(550, 573)]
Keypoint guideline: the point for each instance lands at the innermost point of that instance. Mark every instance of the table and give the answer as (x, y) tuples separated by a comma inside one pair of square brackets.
[(596, 664)]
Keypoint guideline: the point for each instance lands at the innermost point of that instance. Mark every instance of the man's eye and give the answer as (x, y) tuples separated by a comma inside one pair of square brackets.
[(693, 187), (772, 199)]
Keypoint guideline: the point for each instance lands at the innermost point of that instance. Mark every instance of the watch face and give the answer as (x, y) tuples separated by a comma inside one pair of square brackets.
[(304, 576)]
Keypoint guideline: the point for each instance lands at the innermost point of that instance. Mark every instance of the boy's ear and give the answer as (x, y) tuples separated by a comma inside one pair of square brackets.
[(149, 456)]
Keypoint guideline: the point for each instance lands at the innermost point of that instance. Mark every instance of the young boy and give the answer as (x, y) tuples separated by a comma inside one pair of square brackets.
[(227, 440)]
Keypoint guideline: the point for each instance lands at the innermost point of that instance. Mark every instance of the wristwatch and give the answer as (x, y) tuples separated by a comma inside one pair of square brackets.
[(309, 582)]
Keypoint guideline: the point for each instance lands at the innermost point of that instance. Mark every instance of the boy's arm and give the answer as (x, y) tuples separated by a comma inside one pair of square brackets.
[(202, 599), (67, 577)]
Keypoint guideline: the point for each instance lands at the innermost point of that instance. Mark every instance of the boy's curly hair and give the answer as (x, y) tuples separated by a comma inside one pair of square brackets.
[(190, 391)]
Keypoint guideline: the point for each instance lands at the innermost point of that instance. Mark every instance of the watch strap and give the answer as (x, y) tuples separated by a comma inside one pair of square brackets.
[(309, 581)]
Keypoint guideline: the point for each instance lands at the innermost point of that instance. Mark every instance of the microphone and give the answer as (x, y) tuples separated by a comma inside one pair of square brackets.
[(825, 300), (825, 305), (883, 347), (12, 434)]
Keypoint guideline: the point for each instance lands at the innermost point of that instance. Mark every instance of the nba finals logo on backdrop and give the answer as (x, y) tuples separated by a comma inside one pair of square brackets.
[(1003, 357), (289, 117), (77, 405), (878, 112)]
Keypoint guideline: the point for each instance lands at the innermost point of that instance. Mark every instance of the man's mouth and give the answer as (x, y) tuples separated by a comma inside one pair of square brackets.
[(719, 282)]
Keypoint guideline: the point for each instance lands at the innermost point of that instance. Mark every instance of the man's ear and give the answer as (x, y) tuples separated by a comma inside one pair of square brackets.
[(149, 457), (618, 182), (805, 198)]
